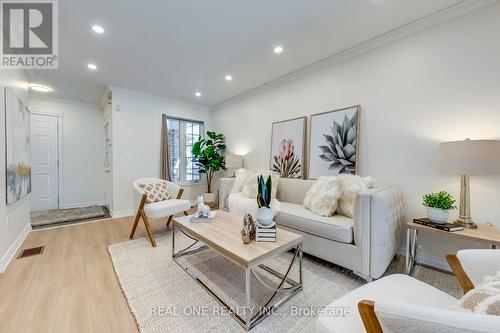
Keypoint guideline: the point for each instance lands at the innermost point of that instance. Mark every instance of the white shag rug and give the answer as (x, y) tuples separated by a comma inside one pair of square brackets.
[(163, 298)]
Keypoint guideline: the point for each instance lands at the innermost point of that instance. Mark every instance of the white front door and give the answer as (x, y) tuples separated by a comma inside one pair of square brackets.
[(44, 162)]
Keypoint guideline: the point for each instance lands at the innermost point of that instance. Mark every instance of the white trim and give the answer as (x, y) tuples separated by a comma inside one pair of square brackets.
[(435, 262), (70, 224), (158, 98), (122, 213), (60, 156), (83, 204), (441, 16), (11, 252), (64, 100)]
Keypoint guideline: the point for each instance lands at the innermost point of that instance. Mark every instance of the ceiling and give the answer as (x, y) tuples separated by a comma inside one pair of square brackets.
[(174, 48)]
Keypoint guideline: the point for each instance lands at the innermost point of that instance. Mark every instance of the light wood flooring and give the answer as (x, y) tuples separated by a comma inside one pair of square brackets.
[(72, 287)]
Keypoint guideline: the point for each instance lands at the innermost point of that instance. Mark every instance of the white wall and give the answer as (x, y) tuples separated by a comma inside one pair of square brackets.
[(15, 218), (83, 149), (136, 133), (438, 85)]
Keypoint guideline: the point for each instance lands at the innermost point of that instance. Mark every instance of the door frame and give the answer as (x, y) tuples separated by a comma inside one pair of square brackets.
[(60, 166)]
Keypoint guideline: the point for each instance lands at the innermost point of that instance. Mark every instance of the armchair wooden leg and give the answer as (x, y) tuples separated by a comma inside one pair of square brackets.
[(140, 211), (148, 229), (367, 312), (459, 272), (169, 220)]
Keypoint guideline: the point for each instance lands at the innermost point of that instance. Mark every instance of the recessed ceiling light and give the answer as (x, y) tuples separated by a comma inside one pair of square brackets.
[(40, 88), (278, 49), (92, 67), (197, 94), (228, 77), (98, 29)]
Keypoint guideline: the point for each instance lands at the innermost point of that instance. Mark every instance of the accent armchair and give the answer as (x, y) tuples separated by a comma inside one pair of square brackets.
[(400, 303), (161, 209)]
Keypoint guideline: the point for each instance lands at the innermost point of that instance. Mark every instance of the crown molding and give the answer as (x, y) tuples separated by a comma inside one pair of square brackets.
[(426, 22), (114, 89), (37, 96)]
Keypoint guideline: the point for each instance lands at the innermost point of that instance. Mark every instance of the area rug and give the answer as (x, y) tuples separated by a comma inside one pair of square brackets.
[(54, 216), (163, 298)]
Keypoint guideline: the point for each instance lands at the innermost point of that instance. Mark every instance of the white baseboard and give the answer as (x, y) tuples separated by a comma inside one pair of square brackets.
[(436, 262), (122, 213), (83, 204), (11, 252)]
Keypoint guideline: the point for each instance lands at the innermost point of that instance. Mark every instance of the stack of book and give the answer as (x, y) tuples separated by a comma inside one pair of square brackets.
[(265, 233), (450, 227)]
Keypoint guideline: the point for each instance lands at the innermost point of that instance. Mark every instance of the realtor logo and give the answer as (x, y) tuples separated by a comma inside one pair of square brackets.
[(30, 34)]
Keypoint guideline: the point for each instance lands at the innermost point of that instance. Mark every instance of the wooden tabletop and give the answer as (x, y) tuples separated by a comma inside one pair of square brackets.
[(224, 236), (487, 234)]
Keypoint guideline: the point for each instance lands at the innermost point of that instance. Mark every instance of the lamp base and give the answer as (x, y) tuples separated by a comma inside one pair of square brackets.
[(467, 224)]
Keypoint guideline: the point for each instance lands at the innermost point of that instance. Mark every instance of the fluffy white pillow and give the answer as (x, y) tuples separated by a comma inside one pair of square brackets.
[(241, 177), (323, 196), (249, 189), (351, 185)]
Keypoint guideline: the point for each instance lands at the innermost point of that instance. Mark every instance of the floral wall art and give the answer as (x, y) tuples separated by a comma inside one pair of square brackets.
[(334, 142), (17, 129), (288, 148)]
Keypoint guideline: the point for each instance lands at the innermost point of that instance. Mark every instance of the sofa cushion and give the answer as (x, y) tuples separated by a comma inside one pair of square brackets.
[(239, 205), (392, 288), (338, 228), (293, 190), (250, 186)]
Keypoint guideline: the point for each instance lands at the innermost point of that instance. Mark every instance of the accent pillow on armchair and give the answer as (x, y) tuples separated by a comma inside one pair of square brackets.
[(155, 192)]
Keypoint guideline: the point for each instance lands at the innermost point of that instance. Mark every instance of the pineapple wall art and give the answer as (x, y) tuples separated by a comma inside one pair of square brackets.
[(288, 148), (334, 141)]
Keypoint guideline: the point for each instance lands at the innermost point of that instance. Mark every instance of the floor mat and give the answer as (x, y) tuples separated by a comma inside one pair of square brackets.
[(65, 216)]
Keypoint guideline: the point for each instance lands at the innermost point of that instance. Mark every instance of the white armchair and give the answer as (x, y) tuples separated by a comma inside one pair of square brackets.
[(167, 208), (400, 303)]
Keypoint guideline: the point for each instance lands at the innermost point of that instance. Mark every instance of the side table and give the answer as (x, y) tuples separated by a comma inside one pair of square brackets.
[(486, 234)]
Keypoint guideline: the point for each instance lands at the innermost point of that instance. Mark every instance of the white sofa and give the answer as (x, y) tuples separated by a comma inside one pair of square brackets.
[(404, 304), (366, 244)]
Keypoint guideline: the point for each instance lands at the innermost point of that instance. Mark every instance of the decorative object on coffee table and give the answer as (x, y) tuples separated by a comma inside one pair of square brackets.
[(248, 231), (288, 148), (265, 213), (265, 233), (203, 213), (469, 157), (439, 206), (208, 155), (334, 142)]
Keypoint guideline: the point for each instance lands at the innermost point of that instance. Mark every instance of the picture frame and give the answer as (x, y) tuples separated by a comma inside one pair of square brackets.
[(288, 148), (334, 142)]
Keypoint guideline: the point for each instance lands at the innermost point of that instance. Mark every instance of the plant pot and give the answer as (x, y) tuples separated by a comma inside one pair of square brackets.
[(209, 197), (437, 215), (265, 215)]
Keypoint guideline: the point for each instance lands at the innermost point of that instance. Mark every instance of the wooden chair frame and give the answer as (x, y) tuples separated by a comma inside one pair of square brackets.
[(366, 308), (142, 214)]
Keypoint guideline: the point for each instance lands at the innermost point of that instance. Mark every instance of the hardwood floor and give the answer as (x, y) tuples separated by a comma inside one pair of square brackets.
[(71, 287)]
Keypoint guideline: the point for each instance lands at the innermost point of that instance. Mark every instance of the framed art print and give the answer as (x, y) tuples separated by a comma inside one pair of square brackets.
[(288, 147), (334, 142)]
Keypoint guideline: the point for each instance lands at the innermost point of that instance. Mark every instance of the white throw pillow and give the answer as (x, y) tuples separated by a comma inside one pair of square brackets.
[(351, 185), (322, 198), (250, 185), (483, 299), (241, 177)]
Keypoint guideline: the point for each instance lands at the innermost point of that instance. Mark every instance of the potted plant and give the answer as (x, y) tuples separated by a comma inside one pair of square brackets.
[(209, 157), (439, 206), (265, 213)]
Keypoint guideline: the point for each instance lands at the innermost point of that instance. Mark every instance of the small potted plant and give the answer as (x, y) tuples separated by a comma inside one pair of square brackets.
[(439, 206), (265, 213)]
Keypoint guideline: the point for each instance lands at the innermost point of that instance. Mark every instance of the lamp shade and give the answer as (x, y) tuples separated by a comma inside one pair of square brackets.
[(470, 157), (234, 162)]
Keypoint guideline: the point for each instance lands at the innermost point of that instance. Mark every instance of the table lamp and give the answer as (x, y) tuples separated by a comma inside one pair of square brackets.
[(233, 162), (465, 158)]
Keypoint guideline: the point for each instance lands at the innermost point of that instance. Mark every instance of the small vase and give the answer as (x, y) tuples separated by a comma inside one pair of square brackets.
[(265, 215), (209, 197), (437, 215)]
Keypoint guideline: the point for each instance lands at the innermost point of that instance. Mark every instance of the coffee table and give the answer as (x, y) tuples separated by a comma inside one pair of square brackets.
[(224, 236)]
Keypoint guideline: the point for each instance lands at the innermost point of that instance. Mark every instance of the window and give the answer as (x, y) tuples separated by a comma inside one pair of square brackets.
[(182, 134)]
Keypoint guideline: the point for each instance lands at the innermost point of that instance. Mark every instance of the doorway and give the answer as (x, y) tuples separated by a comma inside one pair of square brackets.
[(45, 161)]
